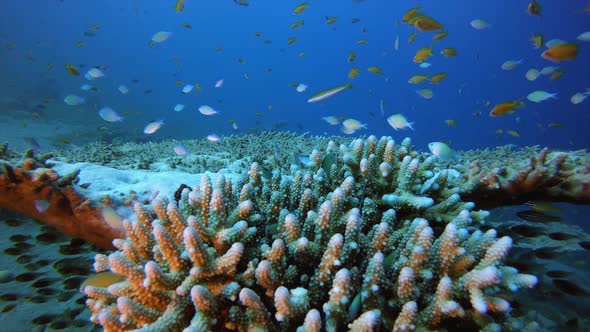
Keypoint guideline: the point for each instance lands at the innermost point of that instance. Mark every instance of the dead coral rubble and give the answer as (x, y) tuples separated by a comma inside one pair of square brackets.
[(496, 178)]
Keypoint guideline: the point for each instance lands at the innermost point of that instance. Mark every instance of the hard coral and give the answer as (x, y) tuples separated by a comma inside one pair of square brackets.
[(341, 245)]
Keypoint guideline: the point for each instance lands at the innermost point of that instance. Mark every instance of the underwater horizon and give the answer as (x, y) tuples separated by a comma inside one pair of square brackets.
[(362, 165)]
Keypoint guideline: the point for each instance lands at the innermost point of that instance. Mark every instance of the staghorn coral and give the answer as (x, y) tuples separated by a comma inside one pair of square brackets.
[(378, 240)]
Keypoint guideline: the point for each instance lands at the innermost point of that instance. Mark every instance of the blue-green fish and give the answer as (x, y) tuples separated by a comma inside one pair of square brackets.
[(443, 151), (328, 93), (539, 96)]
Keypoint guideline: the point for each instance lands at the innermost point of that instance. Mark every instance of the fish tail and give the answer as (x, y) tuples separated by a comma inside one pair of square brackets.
[(410, 125)]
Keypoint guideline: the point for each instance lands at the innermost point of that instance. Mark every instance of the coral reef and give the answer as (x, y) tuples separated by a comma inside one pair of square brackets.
[(504, 176), (370, 236), (362, 236), (203, 156), (28, 185)]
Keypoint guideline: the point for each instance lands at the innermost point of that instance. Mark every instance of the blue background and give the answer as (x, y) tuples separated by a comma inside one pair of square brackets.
[(44, 32)]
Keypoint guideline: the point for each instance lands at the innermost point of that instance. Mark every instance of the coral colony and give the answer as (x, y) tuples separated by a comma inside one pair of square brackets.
[(368, 236)]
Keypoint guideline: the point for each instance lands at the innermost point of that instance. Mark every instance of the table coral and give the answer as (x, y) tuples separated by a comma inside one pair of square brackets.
[(360, 243)]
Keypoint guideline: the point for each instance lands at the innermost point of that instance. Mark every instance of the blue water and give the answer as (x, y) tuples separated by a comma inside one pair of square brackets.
[(34, 34)]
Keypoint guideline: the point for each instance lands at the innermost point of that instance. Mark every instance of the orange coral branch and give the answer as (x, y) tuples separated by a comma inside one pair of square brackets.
[(42, 194)]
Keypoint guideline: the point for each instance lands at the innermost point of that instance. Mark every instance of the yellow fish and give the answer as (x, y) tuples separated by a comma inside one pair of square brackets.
[(537, 40), (362, 41), (353, 73), (561, 52), (440, 35), (417, 79), (422, 54), (330, 20), (557, 74), (436, 78), (425, 93), (412, 37), (513, 133), (291, 40), (79, 44), (449, 51), (197, 86), (351, 56), (300, 8), (375, 70), (424, 23), (72, 70), (410, 14), (451, 122), (296, 24), (507, 107), (179, 5)]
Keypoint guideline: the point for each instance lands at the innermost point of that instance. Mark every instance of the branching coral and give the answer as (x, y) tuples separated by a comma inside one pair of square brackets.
[(378, 239)]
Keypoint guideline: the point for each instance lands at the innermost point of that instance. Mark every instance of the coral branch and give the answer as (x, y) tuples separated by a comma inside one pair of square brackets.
[(32, 188)]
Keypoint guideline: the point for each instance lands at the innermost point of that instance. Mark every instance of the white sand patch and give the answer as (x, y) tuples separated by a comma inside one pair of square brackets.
[(118, 183)]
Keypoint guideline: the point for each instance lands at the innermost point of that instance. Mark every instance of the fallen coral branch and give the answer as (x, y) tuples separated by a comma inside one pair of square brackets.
[(30, 187)]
